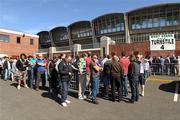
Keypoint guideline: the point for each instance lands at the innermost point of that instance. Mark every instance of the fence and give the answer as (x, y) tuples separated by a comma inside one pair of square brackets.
[(155, 69), (164, 69)]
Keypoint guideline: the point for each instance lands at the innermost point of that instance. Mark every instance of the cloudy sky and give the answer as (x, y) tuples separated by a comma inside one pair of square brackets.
[(33, 16)]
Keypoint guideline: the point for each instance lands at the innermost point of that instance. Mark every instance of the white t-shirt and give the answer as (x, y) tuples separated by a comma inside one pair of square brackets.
[(57, 63), (141, 68), (146, 66)]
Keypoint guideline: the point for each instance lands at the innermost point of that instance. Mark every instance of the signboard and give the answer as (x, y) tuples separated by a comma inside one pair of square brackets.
[(162, 42)]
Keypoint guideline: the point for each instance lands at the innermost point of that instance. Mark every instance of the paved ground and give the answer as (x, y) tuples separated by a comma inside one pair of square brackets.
[(29, 104)]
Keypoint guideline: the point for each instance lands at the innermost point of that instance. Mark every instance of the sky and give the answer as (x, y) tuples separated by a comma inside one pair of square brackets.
[(33, 16)]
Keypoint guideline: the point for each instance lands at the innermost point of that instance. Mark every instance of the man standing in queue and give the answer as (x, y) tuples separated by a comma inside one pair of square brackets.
[(95, 73), (65, 71), (133, 76), (41, 72)]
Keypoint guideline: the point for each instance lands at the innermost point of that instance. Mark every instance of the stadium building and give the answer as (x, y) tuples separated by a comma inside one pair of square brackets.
[(116, 32)]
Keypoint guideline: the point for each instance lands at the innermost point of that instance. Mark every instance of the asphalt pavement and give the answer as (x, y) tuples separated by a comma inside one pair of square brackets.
[(26, 104)]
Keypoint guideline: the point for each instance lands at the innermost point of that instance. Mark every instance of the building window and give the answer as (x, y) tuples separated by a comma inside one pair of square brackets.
[(31, 41), (4, 38), (18, 40), (155, 18)]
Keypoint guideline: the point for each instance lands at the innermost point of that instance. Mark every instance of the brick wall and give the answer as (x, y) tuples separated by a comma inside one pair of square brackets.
[(12, 48), (143, 48)]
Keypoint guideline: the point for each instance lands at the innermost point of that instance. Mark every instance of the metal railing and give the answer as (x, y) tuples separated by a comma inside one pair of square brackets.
[(63, 48), (164, 69), (43, 50), (90, 46)]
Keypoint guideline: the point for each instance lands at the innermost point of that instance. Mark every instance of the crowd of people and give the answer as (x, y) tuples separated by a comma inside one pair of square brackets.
[(165, 65), (120, 75)]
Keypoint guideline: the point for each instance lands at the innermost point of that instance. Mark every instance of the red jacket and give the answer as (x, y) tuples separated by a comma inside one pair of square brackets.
[(88, 61), (124, 61)]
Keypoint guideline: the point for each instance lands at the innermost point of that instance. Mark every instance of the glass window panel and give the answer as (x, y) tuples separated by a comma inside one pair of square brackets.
[(133, 26), (144, 23), (109, 30), (101, 31), (169, 19), (155, 22), (162, 21), (149, 24), (4, 38), (118, 28), (114, 29), (105, 30)]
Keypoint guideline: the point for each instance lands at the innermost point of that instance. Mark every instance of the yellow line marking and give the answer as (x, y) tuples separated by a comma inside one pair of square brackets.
[(159, 80)]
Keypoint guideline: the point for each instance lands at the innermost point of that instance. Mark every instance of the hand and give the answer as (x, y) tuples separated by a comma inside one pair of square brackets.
[(24, 65), (80, 74)]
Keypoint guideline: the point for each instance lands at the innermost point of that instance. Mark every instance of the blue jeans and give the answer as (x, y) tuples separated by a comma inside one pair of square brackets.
[(125, 85), (7, 74), (30, 78), (95, 87), (107, 80), (134, 89), (65, 85)]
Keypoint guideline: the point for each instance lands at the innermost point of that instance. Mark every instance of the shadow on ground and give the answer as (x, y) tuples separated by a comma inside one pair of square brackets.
[(51, 96), (169, 87), (14, 84)]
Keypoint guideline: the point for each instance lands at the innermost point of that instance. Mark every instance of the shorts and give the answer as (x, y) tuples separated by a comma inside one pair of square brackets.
[(142, 79)]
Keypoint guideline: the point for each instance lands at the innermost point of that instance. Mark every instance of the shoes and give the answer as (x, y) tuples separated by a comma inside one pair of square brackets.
[(84, 96), (80, 98), (67, 101), (119, 100), (58, 95), (18, 87), (95, 102), (142, 94), (64, 104), (26, 86), (131, 101)]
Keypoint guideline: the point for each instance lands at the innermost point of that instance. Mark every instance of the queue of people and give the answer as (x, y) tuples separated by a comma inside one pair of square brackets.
[(117, 74)]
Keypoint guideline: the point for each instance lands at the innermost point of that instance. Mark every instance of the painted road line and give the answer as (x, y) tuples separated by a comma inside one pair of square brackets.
[(160, 80), (176, 93)]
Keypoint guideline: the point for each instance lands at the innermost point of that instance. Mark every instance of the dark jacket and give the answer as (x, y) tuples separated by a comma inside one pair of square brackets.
[(5, 65), (20, 64), (134, 70), (116, 69), (107, 67), (52, 71), (64, 70)]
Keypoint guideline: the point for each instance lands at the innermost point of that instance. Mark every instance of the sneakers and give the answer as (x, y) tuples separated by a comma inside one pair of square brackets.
[(84, 96), (26, 86), (67, 101), (18, 87), (95, 102), (64, 104), (142, 94), (80, 98)]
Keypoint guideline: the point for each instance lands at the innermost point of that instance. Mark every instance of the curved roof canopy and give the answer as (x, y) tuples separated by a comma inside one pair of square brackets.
[(80, 24), (109, 14)]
